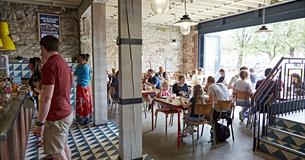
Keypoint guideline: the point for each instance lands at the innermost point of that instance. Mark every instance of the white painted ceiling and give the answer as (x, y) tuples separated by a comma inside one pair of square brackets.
[(198, 10)]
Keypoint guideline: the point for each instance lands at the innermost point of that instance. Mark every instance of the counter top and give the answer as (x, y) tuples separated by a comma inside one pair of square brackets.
[(12, 109)]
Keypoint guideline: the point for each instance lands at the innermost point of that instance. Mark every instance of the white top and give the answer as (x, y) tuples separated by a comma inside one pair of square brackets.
[(219, 91), (243, 86), (198, 79)]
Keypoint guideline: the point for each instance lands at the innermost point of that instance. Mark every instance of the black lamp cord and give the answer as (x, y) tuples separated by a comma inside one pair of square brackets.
[(185, 7)]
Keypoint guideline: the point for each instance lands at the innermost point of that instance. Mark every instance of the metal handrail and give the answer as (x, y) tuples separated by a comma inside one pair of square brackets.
[(268, 104), (264, 83)]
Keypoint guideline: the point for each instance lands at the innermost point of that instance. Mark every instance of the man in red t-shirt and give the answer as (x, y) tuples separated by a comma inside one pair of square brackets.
[(55, 118)]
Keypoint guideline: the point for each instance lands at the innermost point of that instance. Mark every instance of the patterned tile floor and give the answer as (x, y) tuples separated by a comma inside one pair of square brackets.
[(86, 142)]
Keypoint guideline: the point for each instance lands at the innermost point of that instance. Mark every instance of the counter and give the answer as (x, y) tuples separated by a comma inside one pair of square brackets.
[(15, 123)]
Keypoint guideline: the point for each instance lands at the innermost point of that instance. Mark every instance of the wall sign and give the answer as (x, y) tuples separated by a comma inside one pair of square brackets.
[(48, 24), (4, 68)]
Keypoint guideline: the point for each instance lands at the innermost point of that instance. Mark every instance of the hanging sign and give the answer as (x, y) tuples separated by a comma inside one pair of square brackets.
[(48, 24)]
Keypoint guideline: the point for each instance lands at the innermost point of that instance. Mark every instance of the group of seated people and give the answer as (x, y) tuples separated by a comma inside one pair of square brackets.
[(215, 89)]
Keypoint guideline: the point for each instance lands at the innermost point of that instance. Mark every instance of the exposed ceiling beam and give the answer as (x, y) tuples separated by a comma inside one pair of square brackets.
[(56, 3), (241, 3), (83, 6), (264, 2), (230, 5)]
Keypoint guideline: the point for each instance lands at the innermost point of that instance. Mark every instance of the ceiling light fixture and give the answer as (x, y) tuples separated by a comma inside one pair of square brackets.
[(1, 43), (159, 6), (263, 30), (185, 22), (7, 42)]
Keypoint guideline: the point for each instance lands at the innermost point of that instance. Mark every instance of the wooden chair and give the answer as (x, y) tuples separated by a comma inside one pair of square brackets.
[(244, 98), (170, 112), (205, 112), (225, 107)]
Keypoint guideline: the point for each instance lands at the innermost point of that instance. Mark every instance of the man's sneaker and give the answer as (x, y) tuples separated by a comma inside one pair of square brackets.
[(241, 116), (246, 114)]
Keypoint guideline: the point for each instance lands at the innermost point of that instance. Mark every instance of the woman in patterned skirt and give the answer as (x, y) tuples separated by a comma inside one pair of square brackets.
[(83, 95)]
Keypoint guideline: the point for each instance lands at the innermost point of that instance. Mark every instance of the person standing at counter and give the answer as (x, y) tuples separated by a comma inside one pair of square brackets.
[(54, 118), (34, 81), (83, 97)]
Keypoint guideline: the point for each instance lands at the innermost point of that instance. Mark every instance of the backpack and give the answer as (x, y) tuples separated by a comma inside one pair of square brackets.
[(222, 132)]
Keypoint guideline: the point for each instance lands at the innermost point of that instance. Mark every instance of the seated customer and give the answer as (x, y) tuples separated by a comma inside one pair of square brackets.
[(243, 86), (273, 88), (165, 90), (181, 88), (197, 97), (166, 93), (153, 81), (298, 85), (222, 78), (162, 74), (216, 91), (114, 90)]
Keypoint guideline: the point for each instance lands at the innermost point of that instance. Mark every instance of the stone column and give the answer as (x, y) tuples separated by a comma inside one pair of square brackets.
[(130, 66), (98, 15)]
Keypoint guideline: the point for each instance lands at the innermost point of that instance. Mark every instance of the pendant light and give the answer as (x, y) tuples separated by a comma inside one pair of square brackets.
[(7, 42), (159, 6), (263, 30), (185, 22), (1, 44)]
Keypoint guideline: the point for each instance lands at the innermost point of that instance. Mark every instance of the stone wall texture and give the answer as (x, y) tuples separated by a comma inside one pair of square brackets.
[(23, 24), (157, 47)]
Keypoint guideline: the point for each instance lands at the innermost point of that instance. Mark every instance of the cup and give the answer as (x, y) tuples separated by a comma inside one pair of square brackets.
[(174, 96)]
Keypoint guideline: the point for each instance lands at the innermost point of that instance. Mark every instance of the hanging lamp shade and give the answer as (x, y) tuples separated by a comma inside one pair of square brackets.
[(159, 6), (264, 33), (1, 43), (263, 30), (7, 42), (185, 24)]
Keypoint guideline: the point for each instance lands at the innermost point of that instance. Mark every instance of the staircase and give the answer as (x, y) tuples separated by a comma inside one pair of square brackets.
[(284, 140), (274, 133)]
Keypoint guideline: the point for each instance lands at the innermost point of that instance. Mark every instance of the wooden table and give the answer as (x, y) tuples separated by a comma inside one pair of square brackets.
[(150, 92), (175, 104)]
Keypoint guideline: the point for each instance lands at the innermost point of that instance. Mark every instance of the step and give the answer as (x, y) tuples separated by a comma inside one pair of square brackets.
[(280, 151), (287, 137), (300, 149), (290, 126)]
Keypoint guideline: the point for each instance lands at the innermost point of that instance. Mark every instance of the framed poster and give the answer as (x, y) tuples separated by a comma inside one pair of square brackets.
[(4, 66), (48, 24)]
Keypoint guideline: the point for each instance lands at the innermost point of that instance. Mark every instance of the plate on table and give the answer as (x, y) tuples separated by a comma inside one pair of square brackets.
[(164, 97)]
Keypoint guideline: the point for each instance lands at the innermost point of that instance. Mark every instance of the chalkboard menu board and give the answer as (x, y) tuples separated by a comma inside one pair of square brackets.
[(48, 24)]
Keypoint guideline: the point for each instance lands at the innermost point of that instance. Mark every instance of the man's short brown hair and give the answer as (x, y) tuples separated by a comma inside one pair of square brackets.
[(181, 77), (243, 74), (211, 79), (50, 43)]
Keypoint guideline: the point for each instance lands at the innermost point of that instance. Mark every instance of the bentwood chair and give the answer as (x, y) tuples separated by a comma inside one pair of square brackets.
[(167, 112), (205, 112), (242, 99), (224, 109)]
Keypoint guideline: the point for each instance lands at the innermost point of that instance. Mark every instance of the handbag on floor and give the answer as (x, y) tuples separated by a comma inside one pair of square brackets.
[(222, 132)]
